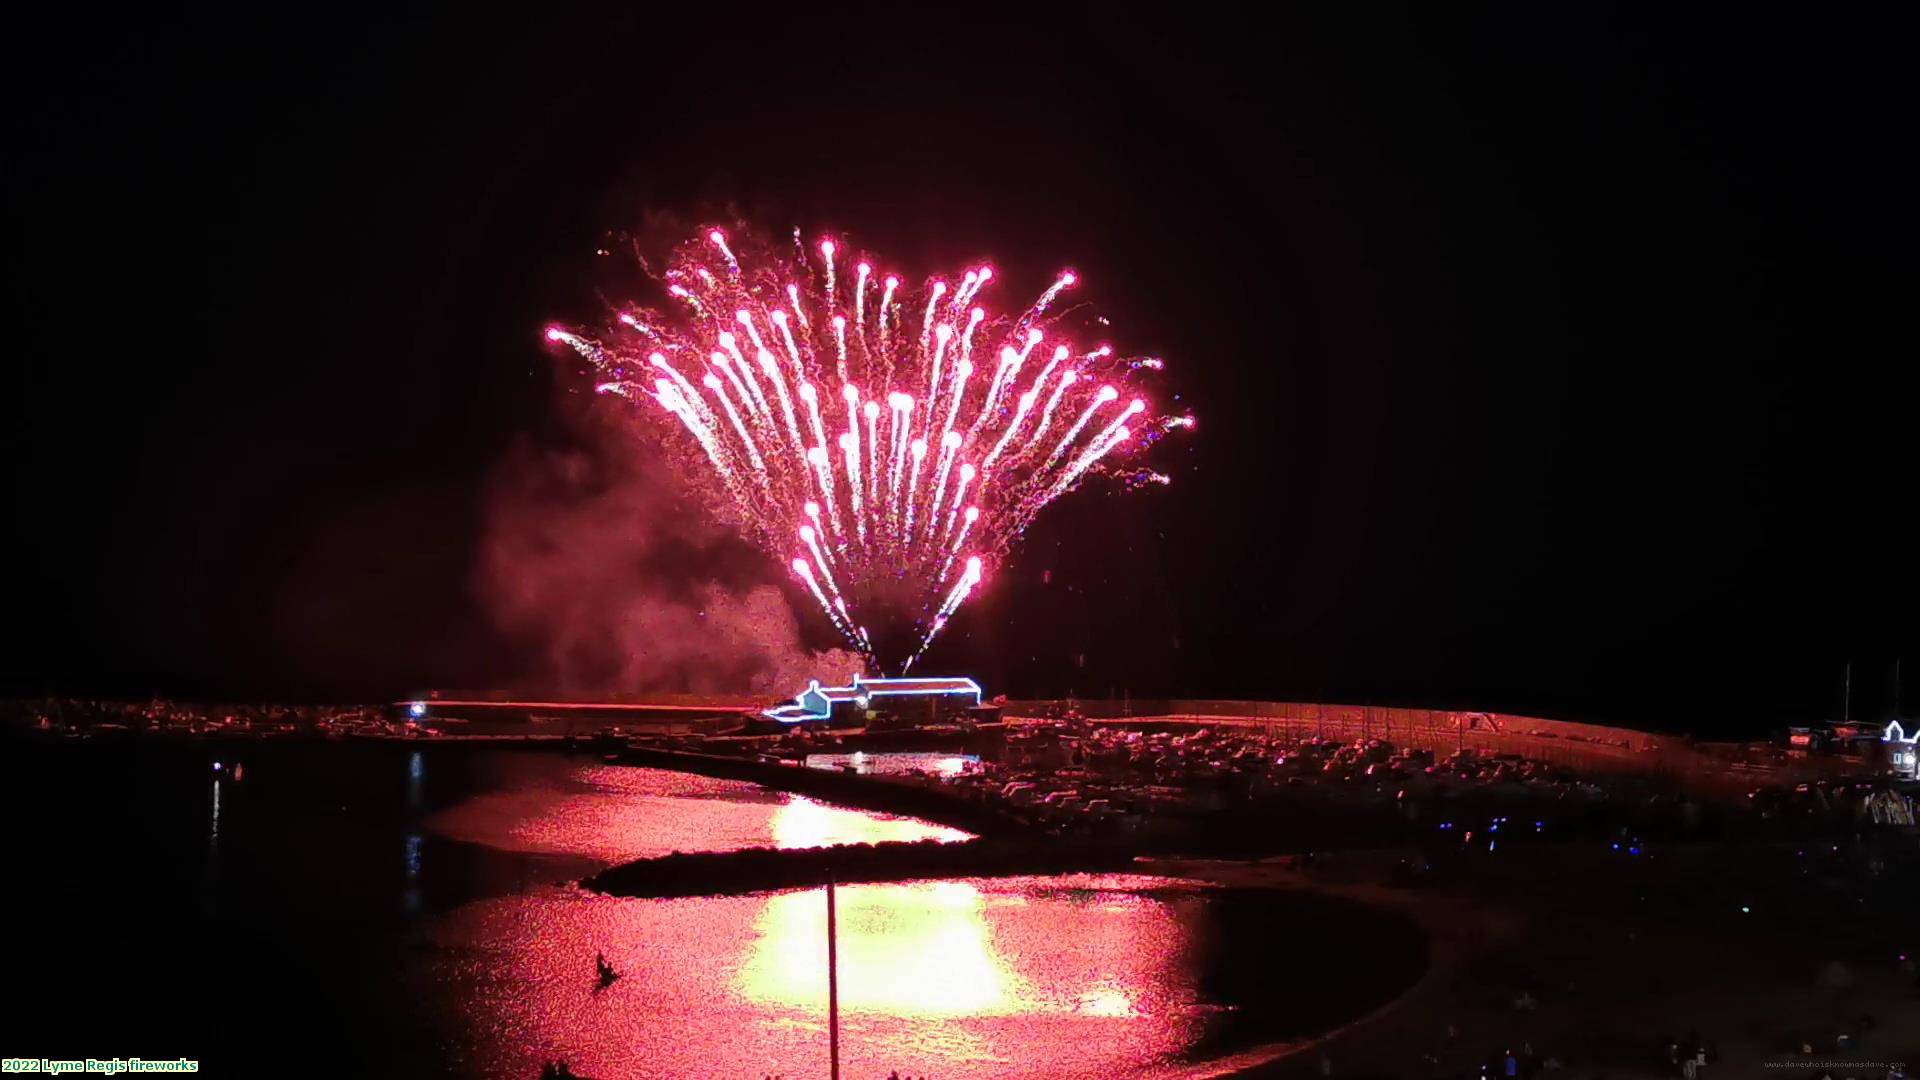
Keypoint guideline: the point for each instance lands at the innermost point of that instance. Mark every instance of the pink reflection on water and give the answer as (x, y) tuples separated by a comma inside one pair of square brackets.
[(614, 813), (1050, 977), (1045, 977)]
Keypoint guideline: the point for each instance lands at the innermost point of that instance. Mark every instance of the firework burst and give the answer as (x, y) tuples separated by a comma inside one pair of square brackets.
[(889, 444)]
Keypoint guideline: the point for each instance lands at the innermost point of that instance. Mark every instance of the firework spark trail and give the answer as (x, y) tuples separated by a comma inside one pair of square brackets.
[(953, 601), (967, 581), (840, 347), (793, 350), (966, 524), (950, 440), (926, 324), (800, 313), (957, 475), (902, 407), (826, 252), (823, 475), (1047, 298), (1107, 441), (720, 241), (872, 412), (805, 569), (1013, 428), (681, 292), (688, 395), (852, 451), (1013, 367), (812, 510), (850, 442), (966, 336), (886, 301), (1106, 394), (949, 443), (772, 369), (913, 482), (942, 334), (1009, 363), (967, 474), (960, 294), (1046, 414), (811, 398), (974, 282), (753, 452), (1059, 354), (961, 373), (1133, 409), (741, 371), (678, 404), (811, 538)]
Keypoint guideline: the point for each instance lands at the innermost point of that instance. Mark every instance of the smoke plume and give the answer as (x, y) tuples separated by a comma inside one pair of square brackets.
[(611, 576)]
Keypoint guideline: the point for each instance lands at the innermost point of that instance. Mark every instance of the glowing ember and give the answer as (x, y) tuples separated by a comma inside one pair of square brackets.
[(889, 445)]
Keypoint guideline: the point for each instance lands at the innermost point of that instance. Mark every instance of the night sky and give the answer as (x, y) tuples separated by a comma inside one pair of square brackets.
[(1545, 362)]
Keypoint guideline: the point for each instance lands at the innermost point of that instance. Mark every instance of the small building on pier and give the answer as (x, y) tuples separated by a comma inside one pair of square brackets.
[(1903, 750), (913, 700)]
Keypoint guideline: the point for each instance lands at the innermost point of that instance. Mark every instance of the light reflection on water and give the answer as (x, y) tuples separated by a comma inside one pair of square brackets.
[(802, 823), (919, 949), (1054, 977), (614, 813), (975, 978), (441, 937)]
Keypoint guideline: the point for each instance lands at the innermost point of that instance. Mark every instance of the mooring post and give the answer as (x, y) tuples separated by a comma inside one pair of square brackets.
[(833, 983)]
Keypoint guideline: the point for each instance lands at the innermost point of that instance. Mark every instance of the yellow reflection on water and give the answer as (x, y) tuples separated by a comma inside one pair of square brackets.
[(1106, 1001), (803, 823), (919, 949)]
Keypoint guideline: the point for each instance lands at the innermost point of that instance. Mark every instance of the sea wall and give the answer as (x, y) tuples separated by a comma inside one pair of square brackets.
[(1441, 730)]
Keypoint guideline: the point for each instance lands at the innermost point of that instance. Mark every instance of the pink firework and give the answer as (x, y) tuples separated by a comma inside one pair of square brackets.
[(888, 444)]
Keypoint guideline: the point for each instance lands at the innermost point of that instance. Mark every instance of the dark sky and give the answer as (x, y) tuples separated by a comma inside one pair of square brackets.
[(1545, 361)]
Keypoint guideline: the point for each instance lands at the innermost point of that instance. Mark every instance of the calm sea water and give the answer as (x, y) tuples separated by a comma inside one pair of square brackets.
[(312, 909)]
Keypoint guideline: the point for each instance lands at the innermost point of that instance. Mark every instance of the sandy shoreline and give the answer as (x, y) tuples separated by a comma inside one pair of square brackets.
[(1619, 956)]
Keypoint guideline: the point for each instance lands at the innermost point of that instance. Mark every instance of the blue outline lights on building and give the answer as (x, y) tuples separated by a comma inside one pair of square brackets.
[(1904, 749), (816, 702)]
